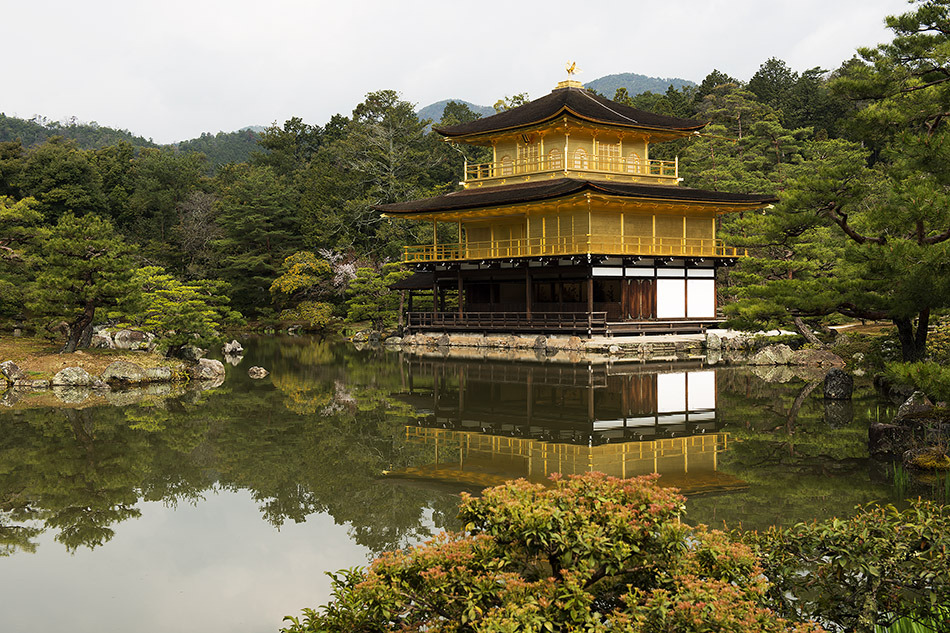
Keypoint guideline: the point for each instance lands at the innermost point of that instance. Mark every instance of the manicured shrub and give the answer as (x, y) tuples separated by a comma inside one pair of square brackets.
[(590, 553), (881, 565)]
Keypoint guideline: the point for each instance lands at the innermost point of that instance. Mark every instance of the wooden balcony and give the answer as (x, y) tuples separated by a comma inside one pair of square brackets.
[(568, 322), (611, 167), (571, 245)]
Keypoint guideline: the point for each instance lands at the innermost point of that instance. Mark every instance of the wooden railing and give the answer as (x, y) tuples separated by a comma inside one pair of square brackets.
[(536, 321), (617, 165), (571, 245)]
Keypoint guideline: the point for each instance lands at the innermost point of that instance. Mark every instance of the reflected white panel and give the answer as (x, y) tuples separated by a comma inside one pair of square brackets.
[(702, 390), (670, 392), (641, 421), (701, 298), (702, 416), (670, 298)]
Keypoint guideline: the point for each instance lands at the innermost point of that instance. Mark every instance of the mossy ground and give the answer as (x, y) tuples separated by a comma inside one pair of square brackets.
[(41, 359)]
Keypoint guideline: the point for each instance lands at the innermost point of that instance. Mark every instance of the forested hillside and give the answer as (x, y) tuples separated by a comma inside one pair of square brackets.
[(87, 135), (635, 84), (224, 147), (860, 158), (434, 111)]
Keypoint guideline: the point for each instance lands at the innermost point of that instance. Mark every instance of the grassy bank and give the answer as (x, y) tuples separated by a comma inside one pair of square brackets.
[(40, 358)]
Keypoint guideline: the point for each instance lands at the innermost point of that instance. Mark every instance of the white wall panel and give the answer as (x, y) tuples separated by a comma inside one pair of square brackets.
[(701, 390), (670, 392), (670, 298), (701, 298)]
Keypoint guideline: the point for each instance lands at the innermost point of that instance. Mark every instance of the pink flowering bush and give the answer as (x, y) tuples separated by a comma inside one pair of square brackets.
[(590, 553)]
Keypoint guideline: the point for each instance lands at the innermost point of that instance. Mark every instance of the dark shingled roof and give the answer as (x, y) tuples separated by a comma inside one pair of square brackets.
[(579, 102), (551, 189), (417, 281)]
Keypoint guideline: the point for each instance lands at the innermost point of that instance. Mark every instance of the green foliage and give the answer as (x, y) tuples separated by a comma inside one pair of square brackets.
[(180, 313), (62, 178), (288, 148), (928, 376), (591, 553), (260, 227), (38, 130), (317, 315), (305, 279), (635, 84), (18, 233), (224, 147), (305, 275), (370, 298), (938, 343), (507, 103), (880, 565), (83, 265)]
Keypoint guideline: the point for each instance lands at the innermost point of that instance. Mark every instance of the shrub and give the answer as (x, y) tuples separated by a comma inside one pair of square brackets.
[(591, 553), (929, 377), (880, 565), (938, 343)]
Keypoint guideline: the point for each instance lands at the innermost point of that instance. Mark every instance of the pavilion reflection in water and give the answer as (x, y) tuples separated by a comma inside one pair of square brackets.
[(490, 422)]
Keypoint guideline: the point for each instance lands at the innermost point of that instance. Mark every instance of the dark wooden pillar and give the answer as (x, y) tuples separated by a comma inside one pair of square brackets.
[(435, 300), (461, 290), (624, 299), (527, 291), (402, 302), (590, 304)]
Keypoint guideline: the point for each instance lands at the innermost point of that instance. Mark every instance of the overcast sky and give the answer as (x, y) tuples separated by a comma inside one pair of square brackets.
[(173, 69)]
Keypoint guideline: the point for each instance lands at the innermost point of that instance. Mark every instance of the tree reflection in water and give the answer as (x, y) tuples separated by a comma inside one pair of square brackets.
[(318, 436)]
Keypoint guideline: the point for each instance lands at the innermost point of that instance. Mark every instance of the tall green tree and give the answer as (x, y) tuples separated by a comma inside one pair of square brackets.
[(260, 227), (84, 265), (63, 179), (179, 313), (370, 296), (19, 234), (289, 147), (904, 238), (384, 155), (163, 179)]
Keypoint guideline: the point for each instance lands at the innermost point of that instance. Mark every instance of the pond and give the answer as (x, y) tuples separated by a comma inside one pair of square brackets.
[(221, 510)]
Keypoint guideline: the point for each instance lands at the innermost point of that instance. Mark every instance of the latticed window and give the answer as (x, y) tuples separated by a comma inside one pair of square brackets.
[(608, 155), (580, 159), (555, 159), (528, 156), (633, 163), (506, 166)]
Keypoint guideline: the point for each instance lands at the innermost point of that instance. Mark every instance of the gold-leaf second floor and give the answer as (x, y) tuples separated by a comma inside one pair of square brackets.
[(573, 217), (567, 230)]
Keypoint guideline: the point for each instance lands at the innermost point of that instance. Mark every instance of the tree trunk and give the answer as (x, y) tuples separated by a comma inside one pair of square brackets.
[(78, 329), (806, 331), (913, 343)]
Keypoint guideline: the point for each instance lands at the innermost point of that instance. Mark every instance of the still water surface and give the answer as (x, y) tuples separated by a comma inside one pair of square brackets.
[(221, 510)]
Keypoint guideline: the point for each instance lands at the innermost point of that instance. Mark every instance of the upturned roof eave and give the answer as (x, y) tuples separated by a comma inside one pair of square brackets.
[(570, 191), (565, 109)]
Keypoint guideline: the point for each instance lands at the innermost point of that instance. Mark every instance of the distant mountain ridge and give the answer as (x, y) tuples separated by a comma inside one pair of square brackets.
[(606, 85), (38, 130), (220, 148), (635, 84), (434, 111)]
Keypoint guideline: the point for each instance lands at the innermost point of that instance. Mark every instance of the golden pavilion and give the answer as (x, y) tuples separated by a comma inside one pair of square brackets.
[(572, 227)]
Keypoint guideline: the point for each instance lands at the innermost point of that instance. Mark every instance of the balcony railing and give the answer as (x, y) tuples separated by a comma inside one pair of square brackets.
[(615, 165), (571, 245), (578, 321)]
